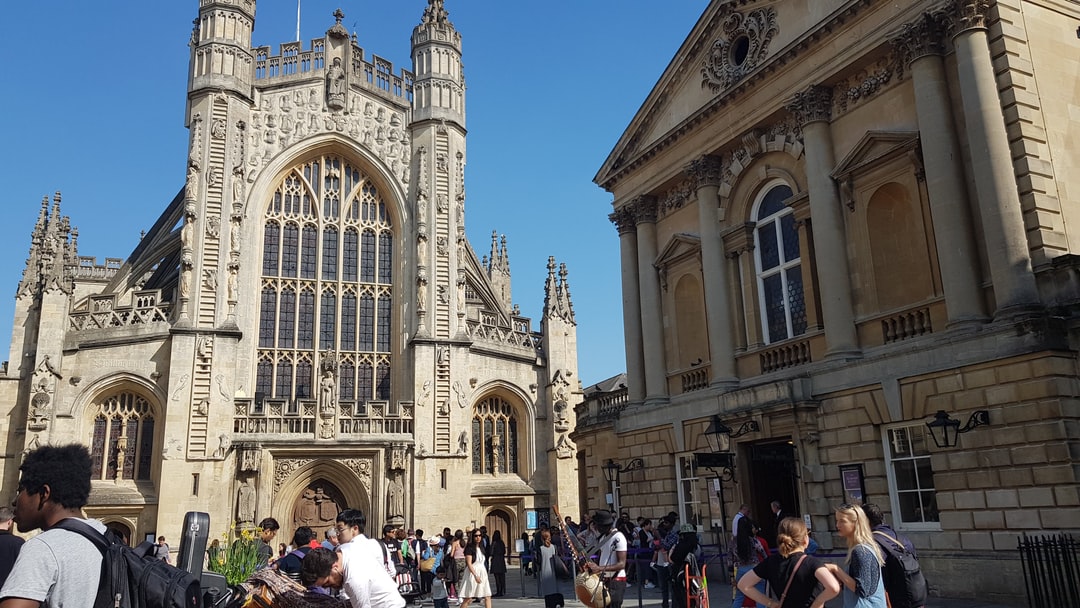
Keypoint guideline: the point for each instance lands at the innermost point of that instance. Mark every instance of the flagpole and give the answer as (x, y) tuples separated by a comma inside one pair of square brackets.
[(298, 20)]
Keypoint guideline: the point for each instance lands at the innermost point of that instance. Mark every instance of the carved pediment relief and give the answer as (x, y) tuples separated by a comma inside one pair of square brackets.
[(681, 247), (742, 45)]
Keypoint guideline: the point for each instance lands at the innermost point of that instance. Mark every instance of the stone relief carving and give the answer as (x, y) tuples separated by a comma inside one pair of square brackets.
[(463, 443), (224, 443), (284, 468), (249, 456), (459, 394), (362, 467), (866, 84), (425, 393), (246, 499), (335, 85), (565, 448), (180, 386), (741, 46)]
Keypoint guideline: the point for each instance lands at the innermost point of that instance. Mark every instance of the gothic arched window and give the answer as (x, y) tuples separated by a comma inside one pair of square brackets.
[(122, 444), (494, 437), (779, 267), (327, 251)]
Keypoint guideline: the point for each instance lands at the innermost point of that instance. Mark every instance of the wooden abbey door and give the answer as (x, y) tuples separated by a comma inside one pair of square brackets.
[(500, 520)]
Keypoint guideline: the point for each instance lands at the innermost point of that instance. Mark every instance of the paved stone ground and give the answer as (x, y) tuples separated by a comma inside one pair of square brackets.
[(521, 592)]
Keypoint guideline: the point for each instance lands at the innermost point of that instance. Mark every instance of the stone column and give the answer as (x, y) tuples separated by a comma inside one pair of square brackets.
[(705, 172), (801, 208), (991, 162), (631, 303), (812, 107), (652, 314), (739, 243), (922, 47)]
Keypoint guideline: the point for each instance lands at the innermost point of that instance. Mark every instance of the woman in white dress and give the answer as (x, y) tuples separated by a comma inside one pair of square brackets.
[(475, 583)]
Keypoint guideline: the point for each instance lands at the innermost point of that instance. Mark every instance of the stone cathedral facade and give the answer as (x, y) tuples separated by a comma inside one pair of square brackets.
[(306, 326)]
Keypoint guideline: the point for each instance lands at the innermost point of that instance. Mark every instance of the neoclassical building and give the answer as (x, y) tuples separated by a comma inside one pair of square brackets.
[(837, 219), (306, 326)]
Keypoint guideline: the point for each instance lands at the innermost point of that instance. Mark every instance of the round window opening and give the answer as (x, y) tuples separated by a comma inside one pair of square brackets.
[(739, 50)]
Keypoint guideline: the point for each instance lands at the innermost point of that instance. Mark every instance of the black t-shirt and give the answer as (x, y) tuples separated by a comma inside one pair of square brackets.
[(804, 587)]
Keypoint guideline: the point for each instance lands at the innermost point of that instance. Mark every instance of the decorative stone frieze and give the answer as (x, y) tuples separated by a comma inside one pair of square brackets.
[(676, 197), (866, 84), (812, 105), (742, 45)]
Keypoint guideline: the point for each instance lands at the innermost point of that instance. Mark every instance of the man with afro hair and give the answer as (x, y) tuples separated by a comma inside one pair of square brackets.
[(57, 567)]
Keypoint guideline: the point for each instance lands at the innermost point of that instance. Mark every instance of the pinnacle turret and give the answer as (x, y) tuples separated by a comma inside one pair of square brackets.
[(557, 303), (53, 251)]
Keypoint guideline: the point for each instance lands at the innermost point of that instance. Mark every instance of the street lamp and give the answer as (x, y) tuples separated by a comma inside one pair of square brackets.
[(946, 430), (612, 472), (721, 460)]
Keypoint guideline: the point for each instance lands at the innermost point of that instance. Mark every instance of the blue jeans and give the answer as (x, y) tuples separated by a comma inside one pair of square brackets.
[(739, 595)]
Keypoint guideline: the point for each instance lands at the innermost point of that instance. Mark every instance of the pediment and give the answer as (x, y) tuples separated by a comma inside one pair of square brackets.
[(730, 40), (874, 148), (681, 247)]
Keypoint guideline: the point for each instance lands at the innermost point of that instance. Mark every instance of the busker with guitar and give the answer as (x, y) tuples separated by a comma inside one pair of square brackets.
[(612, 561)]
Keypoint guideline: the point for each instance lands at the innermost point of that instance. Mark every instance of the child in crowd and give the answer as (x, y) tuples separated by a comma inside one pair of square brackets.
[(438, 588)]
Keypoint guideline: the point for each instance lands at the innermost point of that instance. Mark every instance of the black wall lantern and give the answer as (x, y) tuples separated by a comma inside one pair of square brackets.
[(719, 435), (946, 430)]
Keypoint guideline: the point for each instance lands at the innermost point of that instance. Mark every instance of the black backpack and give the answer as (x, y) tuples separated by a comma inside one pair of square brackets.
[(130, 580), (901, 573)]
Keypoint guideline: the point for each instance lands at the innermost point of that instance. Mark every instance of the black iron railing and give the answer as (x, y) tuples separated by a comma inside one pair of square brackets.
[(1051, 570)]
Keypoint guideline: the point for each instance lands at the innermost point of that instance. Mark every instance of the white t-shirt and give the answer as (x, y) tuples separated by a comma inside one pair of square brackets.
[(610, 545), (366, 581), (59, 568), (735, 523)]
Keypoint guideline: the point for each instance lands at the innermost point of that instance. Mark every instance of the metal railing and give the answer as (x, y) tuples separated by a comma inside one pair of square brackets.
[(1051, 570)]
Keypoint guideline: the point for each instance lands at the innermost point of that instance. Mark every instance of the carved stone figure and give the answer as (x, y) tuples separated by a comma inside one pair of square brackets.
[(327, 508), (245, 503), (238, 185), (191, 186), (335, 85), (224, 443), (395, 497), (425, 393), (496, 454), (459, 392), (326, 393), (306, 512), (463, 442)]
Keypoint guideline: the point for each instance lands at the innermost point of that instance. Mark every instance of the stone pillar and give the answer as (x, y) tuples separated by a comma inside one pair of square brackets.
[(631, 303), (652, 314), (800, 205), (705, 172), (739, 242), (991, 162), (812, 107), (921, 45)]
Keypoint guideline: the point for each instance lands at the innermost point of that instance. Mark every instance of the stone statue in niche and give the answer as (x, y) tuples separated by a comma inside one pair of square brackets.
[(463, 442), (395, 497), (326, 393), (335, 85), (496, 454), (245, 503), (191, 186)]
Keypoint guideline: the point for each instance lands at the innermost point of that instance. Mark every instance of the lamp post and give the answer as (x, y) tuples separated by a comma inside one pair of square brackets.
[(721, 460), (945, 430), (612, 472)]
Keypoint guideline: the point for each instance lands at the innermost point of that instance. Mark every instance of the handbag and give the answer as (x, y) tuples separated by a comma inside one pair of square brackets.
[(791, 577), (427, 564), (559, 567)]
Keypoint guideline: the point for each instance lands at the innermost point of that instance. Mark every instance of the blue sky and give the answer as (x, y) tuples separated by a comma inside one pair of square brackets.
[(94, 99)]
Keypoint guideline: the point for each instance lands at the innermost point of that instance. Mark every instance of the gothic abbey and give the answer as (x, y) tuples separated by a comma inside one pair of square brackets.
[(306, 326)]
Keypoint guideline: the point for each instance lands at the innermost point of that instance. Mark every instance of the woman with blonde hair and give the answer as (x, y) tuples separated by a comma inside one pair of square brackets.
[(863, 587), (791, 572)]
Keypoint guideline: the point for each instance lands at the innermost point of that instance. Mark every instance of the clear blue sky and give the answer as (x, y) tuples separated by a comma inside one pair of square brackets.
[(94, 101)]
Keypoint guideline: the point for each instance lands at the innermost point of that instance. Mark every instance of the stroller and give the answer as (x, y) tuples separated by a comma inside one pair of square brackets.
[(407, 584), (696, 586)]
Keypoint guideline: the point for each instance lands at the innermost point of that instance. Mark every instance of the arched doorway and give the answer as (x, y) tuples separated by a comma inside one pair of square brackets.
[(497, 519), (121, 530)]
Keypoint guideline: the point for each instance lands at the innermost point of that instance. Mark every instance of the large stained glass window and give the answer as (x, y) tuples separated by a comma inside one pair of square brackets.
[(779, 267), (494, 437), (122, 444), (326, 283)]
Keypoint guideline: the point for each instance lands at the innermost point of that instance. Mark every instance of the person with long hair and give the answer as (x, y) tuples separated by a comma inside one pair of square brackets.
[(863, 586), (546, 583), (791, 572), (457, 553), (497, 553), (475, 579), (746, 552)]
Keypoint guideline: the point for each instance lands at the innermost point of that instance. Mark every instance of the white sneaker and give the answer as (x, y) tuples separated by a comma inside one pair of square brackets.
[(649, 585)]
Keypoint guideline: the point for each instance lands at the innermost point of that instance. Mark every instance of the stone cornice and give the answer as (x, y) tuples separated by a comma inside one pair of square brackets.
[(621, 165), (812, 104)]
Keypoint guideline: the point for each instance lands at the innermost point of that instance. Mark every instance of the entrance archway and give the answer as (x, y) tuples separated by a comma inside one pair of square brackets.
[(121, 530), (497, 519), (343, 484)]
